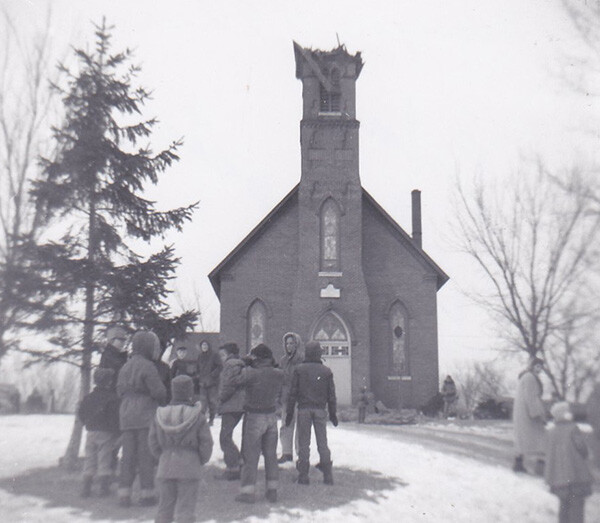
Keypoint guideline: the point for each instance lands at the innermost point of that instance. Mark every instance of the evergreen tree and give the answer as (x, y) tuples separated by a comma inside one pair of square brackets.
[(91, 193)]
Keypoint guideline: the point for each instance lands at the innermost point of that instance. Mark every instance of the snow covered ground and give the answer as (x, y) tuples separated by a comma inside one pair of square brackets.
[(379, 477)]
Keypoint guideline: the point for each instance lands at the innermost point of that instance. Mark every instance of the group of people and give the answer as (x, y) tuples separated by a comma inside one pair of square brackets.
[(161, 420), (559, 454)]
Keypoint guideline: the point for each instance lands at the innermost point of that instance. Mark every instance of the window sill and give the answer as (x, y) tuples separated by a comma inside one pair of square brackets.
[(332, 274), (399, 378)]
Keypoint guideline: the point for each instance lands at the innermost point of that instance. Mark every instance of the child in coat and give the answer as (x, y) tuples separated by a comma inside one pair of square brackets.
[(180, 438), (99, 413), (567, 472)]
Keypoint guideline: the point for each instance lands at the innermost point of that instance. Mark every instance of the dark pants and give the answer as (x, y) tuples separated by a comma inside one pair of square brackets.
[(231, 453), (259, 436), (308, 418), (136, 458), (571, 509), (177, 497), (209, 396)]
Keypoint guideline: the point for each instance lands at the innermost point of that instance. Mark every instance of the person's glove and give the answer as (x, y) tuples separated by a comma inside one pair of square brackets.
[(333, 419), (288, 418)]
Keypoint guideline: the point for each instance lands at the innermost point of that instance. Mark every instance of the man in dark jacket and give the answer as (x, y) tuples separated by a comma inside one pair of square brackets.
[(262, 382), (313, 390), (141, 391), (99, 413), (114, 355), (231, 408), (209, 368)]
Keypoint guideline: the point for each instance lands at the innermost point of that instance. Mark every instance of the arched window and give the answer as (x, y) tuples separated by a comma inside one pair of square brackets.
[(257, 324), (333, 336), (398, 354), (330, 236)]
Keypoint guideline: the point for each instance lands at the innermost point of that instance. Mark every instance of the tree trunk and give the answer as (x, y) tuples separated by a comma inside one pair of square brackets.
[(70, 459)]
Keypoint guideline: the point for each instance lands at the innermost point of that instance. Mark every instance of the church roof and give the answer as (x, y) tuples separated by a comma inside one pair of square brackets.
[(214, 275)]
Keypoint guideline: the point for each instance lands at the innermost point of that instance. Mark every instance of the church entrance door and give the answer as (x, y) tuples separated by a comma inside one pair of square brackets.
[(333, 335)]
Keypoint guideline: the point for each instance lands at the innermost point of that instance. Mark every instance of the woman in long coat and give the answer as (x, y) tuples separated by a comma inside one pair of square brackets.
[(529, 418)]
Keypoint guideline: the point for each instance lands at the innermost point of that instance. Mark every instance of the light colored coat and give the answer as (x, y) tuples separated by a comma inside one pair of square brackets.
[(180, 438), (529, 416), (141, 391), (566, 470), (288, 364), (231, 394)]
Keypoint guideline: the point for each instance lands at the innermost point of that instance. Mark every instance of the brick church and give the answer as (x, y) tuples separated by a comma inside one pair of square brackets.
[(330, 264)]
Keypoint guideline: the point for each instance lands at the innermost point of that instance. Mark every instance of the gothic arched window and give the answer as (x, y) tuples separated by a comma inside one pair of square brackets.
[(257, 324), (330, 236), (398, 353)]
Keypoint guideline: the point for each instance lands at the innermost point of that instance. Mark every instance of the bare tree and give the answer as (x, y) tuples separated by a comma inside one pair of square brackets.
[(25, 103), (535, 243), (479, 381)]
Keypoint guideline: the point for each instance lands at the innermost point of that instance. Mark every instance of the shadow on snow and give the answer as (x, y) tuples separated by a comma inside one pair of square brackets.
[(215, 501)]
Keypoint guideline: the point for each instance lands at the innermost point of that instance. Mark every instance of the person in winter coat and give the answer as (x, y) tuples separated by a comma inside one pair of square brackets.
[(209, 368), (99, 413), (292, 357), (231, 409), (365, 398), (449, 395), (114, 355), (262, 382), (567, 473), (141, 391), (180, 439), (184, 365), (529, 418), (592, 407), (313, 389)]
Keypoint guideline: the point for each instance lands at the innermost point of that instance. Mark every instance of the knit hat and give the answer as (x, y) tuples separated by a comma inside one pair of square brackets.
[(115, 332), (262, 352), (145, 343), (103, 377), (230, 348), (312, 351), (561, 411), (182, 388)]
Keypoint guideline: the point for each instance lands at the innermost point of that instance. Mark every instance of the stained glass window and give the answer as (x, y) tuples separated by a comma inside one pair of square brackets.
[(330, 236), (331, 333), (398, 359), (257, 323)]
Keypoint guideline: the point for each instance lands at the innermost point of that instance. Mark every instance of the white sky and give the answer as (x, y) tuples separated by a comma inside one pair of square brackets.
[(448, 87)]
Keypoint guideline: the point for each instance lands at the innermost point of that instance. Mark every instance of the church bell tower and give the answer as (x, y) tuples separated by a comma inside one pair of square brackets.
[(330, 275)]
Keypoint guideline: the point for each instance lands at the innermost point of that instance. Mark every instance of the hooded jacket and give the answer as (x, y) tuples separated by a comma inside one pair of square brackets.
[(231, 395), (288, 364), (566, 470), (180, 438), (99, 410), (140, 388), (312, 385)]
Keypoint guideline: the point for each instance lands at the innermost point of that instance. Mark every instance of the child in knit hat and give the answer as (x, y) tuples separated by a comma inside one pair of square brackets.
[(99, 413), (181, 441), (567, 472)]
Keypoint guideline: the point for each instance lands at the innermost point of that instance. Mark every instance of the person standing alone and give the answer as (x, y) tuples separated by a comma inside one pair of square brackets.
[(292, 357)]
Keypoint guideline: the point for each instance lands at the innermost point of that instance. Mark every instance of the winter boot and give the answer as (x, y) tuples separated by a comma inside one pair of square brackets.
[(518, 465), (229, 475), (86, 487), (245, 497), (271, 495), (104, 486), (285, 458), (540, 466), (302, 467), (325, 468)]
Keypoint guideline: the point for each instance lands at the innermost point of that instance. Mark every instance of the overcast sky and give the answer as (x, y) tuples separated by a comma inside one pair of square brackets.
[(448, 88)]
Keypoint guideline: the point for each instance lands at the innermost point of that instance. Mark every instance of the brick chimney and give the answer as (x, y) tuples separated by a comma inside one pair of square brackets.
[(417, 234)]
